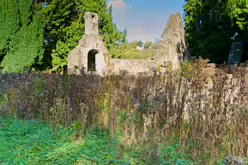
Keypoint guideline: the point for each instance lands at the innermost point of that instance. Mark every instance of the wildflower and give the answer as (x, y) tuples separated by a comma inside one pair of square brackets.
[(10, 111), (109, 157)]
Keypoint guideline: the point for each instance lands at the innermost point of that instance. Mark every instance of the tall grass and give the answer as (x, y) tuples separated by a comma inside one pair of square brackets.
[(206, 113)]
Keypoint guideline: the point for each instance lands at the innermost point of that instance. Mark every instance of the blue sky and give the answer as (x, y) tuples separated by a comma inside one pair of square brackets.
[(144, 19)]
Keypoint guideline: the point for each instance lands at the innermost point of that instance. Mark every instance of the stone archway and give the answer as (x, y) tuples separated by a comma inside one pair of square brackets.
[(91, 58), (91, 54)]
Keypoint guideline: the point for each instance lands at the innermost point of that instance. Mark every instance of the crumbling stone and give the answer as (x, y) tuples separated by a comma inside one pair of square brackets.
[(233, 160), (90, 55), (173, 45)]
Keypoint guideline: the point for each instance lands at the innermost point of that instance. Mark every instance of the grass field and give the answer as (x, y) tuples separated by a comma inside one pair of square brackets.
[(33, 142)]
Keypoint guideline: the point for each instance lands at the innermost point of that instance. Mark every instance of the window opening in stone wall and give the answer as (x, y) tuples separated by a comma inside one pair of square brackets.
[(92, 60)]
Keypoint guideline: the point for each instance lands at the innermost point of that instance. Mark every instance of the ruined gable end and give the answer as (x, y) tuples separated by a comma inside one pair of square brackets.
[(90, 55), (173, 46), (91, 23)]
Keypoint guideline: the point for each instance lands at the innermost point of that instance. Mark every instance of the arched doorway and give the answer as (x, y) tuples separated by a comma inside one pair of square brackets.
[(92, 60)]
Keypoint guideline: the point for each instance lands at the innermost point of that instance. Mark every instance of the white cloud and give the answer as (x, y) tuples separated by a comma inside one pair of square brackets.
[(118, 4), (119, 8)]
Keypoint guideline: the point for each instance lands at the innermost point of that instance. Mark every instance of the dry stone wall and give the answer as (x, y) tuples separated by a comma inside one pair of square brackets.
[(133, 66)]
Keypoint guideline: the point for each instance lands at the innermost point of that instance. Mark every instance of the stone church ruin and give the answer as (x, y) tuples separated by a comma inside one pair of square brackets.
[(91, 55)]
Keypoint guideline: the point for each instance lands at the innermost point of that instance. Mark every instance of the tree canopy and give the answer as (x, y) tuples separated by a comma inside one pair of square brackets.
[(65, 27), (148, 45), (22, 36), (40, 34), (210, 26)]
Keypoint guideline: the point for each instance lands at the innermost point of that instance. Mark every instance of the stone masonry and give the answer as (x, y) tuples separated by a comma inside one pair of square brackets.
[(173, 44), (92, 55), (172, 48)]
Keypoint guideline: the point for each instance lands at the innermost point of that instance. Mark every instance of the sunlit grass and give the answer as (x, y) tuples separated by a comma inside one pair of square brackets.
[(33, 142)]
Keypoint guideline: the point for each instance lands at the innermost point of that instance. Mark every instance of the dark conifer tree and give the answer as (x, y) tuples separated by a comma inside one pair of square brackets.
[(22, 36)]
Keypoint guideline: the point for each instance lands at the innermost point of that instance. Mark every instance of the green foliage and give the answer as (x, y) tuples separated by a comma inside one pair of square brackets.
[(134, 44), (210, 26), (65, 27), (22, 36), (33, 142), (9, 25), (187, 70), (62, 31), (148, 45), (129, 51), (2, 101), (239, 12), (119, 51)]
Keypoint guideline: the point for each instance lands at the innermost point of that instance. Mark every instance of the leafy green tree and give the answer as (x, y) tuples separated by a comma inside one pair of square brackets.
[(148, 45), (119, 52), (22, 36), (65, 27), (134, 44), (210, 27), (239, 13), (140, 44)]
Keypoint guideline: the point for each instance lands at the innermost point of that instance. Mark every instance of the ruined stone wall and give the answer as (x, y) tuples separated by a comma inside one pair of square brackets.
[(133, 67), (78, 59), (172, 49), (173, 44)]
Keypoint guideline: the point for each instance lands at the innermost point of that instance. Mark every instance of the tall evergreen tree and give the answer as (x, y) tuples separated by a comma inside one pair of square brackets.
[(9, 25), (22, 36)]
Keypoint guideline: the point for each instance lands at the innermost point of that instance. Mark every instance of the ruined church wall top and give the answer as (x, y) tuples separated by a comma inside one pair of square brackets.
[(91, 23)]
